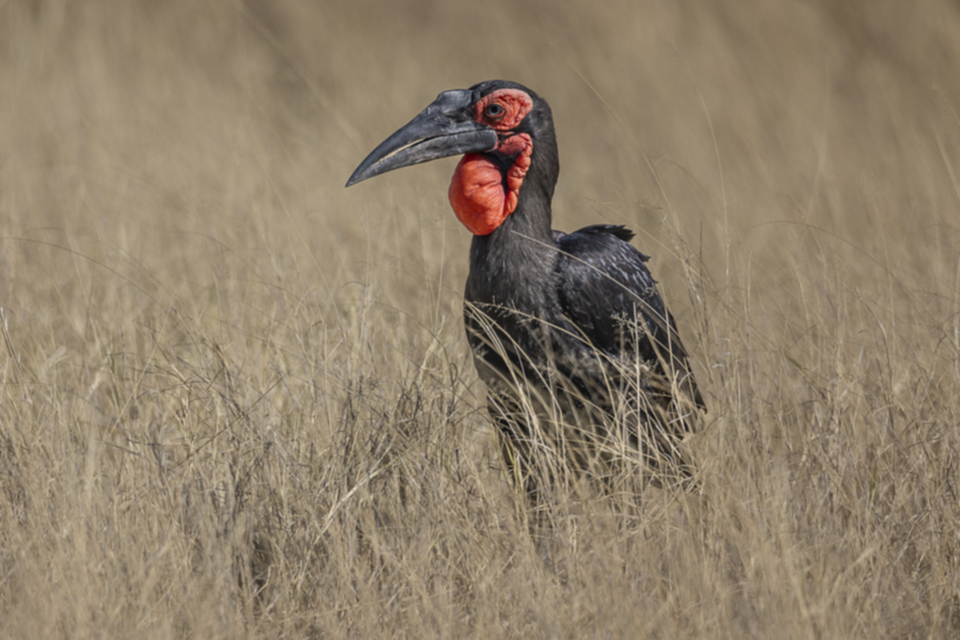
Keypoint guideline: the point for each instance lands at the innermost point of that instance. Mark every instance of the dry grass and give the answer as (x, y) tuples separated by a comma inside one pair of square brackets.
[(236, 399)]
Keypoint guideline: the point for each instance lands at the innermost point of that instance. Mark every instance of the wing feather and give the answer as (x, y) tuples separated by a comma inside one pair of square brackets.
[(607, 292)]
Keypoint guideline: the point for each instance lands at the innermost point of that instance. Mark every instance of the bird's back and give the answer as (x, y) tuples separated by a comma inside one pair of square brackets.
[(601, 360), (567, 330)]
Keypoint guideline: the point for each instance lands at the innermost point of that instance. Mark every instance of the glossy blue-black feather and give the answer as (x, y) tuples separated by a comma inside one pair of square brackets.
[(606, 291)]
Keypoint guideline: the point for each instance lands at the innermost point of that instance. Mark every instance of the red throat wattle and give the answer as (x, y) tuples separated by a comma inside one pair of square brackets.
[(481, 196)]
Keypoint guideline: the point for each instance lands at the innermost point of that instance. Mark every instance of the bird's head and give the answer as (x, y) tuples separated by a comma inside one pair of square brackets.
[(506, 133)]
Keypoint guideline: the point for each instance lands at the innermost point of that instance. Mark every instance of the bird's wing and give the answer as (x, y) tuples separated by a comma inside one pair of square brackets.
[(609, 296)]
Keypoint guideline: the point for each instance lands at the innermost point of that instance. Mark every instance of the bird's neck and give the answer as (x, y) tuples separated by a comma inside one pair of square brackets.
[(512, 265)]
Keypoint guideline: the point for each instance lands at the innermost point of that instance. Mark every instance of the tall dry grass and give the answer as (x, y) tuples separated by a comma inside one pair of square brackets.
[(235, 398)]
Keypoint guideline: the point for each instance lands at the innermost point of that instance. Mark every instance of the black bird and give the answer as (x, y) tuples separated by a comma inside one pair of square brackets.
[(580, 357)]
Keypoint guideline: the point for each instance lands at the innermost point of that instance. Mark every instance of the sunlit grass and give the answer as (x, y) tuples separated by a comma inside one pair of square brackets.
[(236, 399)]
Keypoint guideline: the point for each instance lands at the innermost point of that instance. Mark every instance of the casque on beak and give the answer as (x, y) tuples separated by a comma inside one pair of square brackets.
[(445, 128)]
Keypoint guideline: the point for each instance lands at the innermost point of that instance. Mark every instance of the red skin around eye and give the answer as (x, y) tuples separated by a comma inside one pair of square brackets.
[(516, 104), (481, 195)]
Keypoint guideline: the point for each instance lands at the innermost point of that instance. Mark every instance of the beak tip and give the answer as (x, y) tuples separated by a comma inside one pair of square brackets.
[(355, 177)]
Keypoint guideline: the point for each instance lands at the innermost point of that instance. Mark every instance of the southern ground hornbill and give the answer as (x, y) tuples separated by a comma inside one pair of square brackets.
[(582, 362)]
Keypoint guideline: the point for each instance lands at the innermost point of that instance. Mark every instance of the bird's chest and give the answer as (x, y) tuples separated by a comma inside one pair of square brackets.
[(509, 314), (514, 316), (519, 333)]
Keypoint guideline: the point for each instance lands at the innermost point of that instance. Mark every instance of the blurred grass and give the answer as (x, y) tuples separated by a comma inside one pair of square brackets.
[(235, 397)]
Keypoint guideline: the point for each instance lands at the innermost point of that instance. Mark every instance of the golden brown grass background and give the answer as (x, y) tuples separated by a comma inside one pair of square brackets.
[(235, 397)]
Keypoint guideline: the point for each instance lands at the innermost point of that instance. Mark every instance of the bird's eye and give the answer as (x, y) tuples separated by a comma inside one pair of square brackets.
[(494, 110)]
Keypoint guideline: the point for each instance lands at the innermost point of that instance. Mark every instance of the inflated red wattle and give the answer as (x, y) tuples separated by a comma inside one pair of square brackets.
[(481, 196)]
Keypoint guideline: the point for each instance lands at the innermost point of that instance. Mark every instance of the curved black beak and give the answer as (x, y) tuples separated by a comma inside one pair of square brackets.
[(445, 128)]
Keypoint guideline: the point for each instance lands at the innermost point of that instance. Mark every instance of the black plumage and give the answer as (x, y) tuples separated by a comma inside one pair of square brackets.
[(568, 331)]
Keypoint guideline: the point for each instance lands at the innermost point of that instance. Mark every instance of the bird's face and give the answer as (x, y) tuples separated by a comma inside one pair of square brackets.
[(493, 124)]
